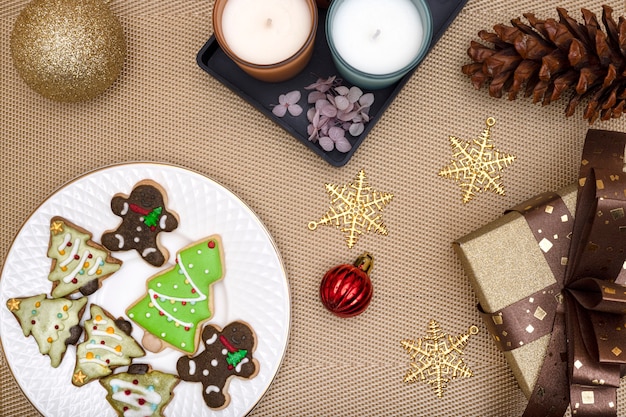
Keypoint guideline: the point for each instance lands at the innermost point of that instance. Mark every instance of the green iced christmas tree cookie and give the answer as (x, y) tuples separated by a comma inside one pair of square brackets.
[(52, 322), (179, 298), (78, 263), (108, 344), (140, 392)]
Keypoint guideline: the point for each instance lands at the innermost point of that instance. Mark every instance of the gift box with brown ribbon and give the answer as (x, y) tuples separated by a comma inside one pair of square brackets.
[(550, 277)]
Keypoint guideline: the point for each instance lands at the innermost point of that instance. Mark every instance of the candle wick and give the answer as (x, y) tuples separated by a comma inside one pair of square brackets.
[(376, 34), (269, 22)]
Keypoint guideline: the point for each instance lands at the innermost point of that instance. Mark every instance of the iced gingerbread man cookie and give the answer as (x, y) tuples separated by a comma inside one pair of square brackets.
[(179, 298), (52, 322), (108, 344), (78, 263), (140, 392), (227, 354), (144, 215)]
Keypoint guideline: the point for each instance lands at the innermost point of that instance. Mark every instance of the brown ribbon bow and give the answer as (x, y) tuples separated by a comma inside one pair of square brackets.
[(585, 310)]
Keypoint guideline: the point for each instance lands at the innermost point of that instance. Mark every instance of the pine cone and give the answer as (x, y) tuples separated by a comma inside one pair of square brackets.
[(547, 58)]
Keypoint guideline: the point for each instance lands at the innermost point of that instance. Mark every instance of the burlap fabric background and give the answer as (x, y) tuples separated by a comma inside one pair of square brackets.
[(165, 108)]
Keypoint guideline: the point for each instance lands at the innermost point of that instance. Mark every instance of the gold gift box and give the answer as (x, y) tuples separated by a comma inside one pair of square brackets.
[(505, 264)]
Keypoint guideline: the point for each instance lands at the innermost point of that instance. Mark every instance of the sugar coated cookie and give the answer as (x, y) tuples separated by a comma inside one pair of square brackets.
[(144, 215), (140, 392), (108, 344), (78, 263), (227, 354), (179, 298), (52, 322)]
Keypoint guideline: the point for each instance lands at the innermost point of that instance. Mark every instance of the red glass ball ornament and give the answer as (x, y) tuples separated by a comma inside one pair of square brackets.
[(346, 290)]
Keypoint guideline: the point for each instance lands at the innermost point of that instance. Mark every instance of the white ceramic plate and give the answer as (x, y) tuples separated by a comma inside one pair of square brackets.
[(254, 289)]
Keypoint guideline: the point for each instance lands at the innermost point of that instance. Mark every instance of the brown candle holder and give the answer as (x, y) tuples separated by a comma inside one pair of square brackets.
[(280, 71)]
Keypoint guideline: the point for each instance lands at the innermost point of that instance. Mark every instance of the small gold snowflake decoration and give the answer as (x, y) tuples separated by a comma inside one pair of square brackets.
[(477, 165), (434, 358), (355, 209)]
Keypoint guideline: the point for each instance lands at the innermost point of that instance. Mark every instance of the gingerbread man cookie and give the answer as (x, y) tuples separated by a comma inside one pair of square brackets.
[(144, 215), (227, 354)]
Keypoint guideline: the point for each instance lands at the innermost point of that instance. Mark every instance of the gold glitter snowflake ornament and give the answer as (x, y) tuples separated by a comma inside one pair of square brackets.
[(434, 358), (355, 209), (477, 165)]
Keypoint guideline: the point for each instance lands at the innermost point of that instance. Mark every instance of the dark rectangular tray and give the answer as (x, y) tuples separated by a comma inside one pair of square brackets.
[(264, 95)]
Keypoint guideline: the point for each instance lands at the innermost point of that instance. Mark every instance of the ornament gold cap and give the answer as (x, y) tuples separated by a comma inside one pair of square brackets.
[(365, 262)]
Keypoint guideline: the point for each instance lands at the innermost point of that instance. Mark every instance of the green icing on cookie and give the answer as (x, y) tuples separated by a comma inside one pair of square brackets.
[(49, 321), (106, 347), (143, 395), (78, 260), (179, 298)]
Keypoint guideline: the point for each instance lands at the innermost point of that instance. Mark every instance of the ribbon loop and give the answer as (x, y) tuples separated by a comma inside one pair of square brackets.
[(599, 295)]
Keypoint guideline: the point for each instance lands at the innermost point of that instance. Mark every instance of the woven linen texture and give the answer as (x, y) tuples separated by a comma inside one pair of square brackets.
[(164, 108)]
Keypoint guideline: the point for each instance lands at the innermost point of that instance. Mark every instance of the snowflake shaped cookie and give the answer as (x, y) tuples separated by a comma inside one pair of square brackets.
[(477, 164), (434, 358), (355, 209)]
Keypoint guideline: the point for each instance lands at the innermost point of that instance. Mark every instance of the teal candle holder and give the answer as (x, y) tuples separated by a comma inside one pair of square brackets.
[(372, 81)]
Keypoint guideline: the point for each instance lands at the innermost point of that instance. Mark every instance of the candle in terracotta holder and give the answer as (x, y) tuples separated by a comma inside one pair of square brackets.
[(271, 40), (374, 43)]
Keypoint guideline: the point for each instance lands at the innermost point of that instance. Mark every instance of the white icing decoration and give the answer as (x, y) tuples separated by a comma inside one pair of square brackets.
[(162, 221), (192, 367), (135, 410), (240, 364), (95, 267), (212, 339), (105, 347), (136, 240), (224, 352), (214, 362), (190, 266), (98, 361), (120, 238), (64, 243), (139, 228), (205, 372), (200, 296), (103, 321), (206, 271), (158, 306), (147, 252), (211, 388), (102, 333), (199, 252), (124, 209), (72, 274), (70, 258)]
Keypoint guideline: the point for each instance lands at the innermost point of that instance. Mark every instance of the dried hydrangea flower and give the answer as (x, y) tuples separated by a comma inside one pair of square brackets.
[(336, 106), (288, 103), (336, 110)]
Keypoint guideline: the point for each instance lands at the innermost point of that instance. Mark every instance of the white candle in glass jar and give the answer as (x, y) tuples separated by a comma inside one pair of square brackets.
[(265, 32), (377, 36)]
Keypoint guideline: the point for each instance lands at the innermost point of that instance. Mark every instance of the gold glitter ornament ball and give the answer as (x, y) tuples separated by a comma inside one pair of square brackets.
[(68, 50)]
